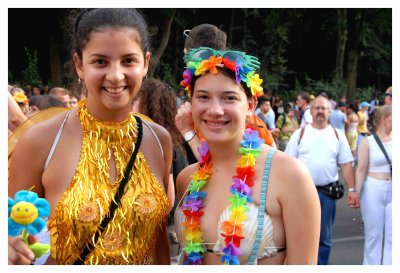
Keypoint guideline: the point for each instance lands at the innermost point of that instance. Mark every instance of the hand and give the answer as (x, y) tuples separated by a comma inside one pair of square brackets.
[(353, 200), (183, 118), (19, 252)]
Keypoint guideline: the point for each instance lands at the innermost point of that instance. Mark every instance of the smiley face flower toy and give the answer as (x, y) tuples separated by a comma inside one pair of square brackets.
[(25, 215)]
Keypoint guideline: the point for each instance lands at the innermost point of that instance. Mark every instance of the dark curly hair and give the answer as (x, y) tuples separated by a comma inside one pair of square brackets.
[(157, 101)]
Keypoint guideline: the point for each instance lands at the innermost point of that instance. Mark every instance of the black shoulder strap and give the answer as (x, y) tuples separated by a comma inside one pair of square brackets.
[(118, 195), (383, 151)]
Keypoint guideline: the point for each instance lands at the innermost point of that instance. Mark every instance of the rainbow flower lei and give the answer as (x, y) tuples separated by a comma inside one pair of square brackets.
[(241, 195), (244, 71)]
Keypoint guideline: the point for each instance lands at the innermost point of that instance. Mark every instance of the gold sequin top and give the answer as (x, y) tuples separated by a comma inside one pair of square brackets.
[(130, 237)]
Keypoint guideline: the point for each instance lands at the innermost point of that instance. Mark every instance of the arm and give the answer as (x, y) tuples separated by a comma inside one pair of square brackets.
[(345, 160), (195, 143), (15, 114), (362, 164), (171, 192), (162, 246), (301, 214), (30, 177), (348, 175), (184, 123)]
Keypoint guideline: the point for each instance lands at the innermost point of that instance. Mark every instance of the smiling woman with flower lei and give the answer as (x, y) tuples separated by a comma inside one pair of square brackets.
[(244, 202)]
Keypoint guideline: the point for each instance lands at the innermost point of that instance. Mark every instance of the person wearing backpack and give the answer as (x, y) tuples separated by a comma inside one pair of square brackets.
[(322, 148), (287, 124)]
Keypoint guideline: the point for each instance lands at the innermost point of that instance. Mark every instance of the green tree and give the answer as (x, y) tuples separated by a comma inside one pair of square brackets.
[(30, 75), (155, 60)]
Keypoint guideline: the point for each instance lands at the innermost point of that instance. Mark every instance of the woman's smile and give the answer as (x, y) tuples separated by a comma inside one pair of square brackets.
[(115, 91)]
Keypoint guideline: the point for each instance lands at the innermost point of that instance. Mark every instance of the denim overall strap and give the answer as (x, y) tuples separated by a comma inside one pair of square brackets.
[(261, 208)]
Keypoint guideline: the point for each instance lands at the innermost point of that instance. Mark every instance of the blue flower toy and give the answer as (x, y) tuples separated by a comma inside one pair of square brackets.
[(25, 215)]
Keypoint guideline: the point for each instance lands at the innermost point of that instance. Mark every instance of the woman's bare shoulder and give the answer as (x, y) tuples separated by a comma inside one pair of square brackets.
[(158, 129), (291, 171), (42, 133)]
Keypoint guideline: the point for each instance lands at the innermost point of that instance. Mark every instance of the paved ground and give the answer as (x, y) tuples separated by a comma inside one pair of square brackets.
[(348, 235)]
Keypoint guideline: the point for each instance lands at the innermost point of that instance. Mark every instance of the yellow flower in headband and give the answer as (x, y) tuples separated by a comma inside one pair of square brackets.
[(20, 97), (253, 81), (209, 65)]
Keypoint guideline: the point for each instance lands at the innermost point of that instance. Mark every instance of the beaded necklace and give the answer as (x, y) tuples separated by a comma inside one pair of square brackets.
[(241, 195)]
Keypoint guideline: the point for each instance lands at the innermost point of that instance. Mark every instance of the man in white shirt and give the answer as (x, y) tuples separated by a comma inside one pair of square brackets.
[(321, 148), (303, 102)]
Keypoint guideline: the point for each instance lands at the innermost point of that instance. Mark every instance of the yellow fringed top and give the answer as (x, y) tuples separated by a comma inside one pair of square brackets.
[(130, 237)]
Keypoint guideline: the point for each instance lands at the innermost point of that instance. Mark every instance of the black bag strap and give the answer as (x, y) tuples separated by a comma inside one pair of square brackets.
[(118, 195), (383, 151)]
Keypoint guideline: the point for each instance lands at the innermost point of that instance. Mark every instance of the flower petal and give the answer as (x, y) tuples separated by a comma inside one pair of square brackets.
[(43, 207), (14, 229), (36, 226), (28, 196)]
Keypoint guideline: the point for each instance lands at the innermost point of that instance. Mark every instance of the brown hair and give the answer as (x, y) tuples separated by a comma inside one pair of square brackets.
[(206, 35), (306, 96), (157, 101)]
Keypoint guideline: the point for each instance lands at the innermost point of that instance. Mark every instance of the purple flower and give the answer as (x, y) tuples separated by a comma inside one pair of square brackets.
[(231, 253), (203, 151), (193, 205), (231, 249), (240, 186), (187, 76)]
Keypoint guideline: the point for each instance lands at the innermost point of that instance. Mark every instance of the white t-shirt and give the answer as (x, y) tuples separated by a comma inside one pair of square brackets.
[(271, 118), (307, 118), (321, 152)]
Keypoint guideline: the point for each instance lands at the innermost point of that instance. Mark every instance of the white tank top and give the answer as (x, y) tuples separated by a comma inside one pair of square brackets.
[(377, 160)]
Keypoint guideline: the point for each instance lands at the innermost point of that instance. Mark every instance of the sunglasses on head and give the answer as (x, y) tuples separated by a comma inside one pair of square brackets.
[(204, 53), (186, 33)]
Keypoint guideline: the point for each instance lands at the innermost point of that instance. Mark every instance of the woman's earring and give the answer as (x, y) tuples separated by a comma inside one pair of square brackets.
[(79, 80), (249, 113)]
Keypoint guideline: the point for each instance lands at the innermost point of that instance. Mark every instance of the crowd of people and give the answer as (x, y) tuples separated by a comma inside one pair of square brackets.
[(130, 156)]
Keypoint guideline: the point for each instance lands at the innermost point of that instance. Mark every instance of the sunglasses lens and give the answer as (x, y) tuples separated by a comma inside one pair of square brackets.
[(233, 56), (203, 54)]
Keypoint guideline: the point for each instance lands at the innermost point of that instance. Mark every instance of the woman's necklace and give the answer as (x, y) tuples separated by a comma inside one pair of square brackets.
[(192, 206)]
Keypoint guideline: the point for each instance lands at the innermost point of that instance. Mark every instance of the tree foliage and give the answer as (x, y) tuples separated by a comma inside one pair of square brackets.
[(335, 50), (30, 75)]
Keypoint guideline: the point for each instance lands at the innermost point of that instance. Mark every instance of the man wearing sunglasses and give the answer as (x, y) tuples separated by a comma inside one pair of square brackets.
[(388, 96)]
